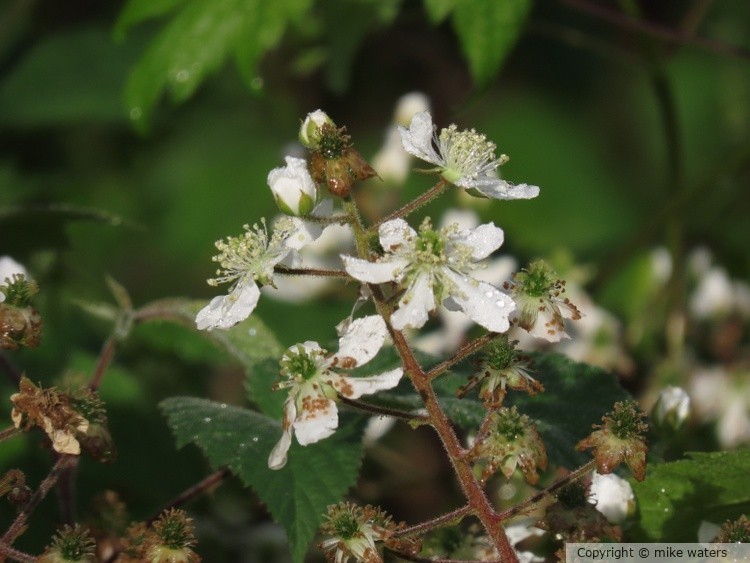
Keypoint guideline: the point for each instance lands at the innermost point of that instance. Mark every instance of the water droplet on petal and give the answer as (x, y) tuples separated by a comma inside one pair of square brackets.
[(488, 294)]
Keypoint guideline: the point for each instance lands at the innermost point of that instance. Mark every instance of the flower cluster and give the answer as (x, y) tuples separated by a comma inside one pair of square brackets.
[(352, 532)]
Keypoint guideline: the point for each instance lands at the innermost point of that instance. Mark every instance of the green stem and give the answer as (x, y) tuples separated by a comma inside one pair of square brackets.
[(414, 204)]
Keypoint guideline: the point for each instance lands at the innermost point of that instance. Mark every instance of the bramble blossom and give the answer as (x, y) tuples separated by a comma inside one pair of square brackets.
[(435, 266), (464, 158), (310, 409), (248, 261), (9, 269), (293, 187)]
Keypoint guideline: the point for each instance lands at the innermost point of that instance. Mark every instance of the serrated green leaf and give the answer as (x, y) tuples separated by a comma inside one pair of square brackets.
[(576, 396), (196, 43), (251, 343), (137, 11), (438, 10), (488, 30), (676, 497), (297, 495)]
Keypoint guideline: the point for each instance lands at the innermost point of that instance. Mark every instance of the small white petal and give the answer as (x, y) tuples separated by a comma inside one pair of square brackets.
[(546, 328), (306, 231), (483, 240), (483, 303), (374, 272), (417, 139), (496, 188), (362, 340), (277, 458), (396, 234), (707, 531), (225, 311), (414, 306), (314, 425), (355, 387), (612, 496)]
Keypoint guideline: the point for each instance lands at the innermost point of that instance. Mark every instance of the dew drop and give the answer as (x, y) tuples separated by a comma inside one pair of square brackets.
[(242, 445), (207, 419), (223, 405), (136, 113), (488, 294), (252, 332), (182, 75), (255, 438), (664, 490), (257, 83)]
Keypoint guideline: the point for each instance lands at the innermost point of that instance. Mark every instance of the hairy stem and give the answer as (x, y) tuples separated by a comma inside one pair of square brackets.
[(414, 204), (63, 462), (103, 362), (8, 432), (447, 519), (464, 352), (385, 411), (16, 555), (284, 271), (531, 502)]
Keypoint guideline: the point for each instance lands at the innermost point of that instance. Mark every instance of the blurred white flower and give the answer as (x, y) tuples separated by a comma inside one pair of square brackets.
[(724, 398), (8, 268), (612, 496), (310, 410), (436, 266), (392, 162), (717, 295), (464, 158), (672, 407)]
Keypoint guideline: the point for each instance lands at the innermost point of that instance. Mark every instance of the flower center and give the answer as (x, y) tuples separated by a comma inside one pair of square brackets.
[(333, 141), (466, 153), (301, 365), (511, 425), (538, 281), (346, 526)]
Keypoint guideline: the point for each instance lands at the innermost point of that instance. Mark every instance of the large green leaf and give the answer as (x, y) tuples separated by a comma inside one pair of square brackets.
[(196, 43), (488, 30), (576, 397), (297, 495), (438, 10), (137, 11), (676, 497)]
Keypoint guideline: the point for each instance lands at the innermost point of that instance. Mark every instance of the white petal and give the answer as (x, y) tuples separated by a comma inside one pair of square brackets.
[(374, 272), (414, 306), (547, 328), (308, 346), (483, 303), (355, 387), (483, 240), (465, 218), (396, 234), (612, 496), (362, 340), (226, 311), (278, 456), (417, 139), (317, 422), (306, 231), (496, 188)]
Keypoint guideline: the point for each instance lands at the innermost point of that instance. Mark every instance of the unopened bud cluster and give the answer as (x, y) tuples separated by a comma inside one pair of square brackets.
[(168, 540), (20, 323)]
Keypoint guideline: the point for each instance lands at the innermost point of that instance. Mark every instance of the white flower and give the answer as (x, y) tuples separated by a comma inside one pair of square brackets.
[(8, 269), (310, 410), (309, 132), (436, 267), (612, 496), (293, 187), (725, 398), (464, 158), (718, 296), (249, 260), (672, 407)]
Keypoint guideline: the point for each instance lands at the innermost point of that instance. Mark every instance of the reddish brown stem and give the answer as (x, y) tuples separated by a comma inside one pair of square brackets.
[(196, 490), (16, 555), (465, 351), (105, 358), (446, 519)]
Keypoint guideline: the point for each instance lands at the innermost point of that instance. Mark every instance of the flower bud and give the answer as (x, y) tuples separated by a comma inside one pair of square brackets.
[(293, 187), (19, 326), (671, 408), (70, 545), (309, 132)]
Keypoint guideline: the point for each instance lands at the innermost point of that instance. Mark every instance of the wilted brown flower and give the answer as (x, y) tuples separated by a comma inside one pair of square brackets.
[(619, 438)]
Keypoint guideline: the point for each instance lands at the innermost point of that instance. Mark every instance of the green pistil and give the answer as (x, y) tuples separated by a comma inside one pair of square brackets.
[(333, 141), (511, 424), (500, 355), (625, 422), (301, 365), (538, 281), (346, 526), (18, 290)]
